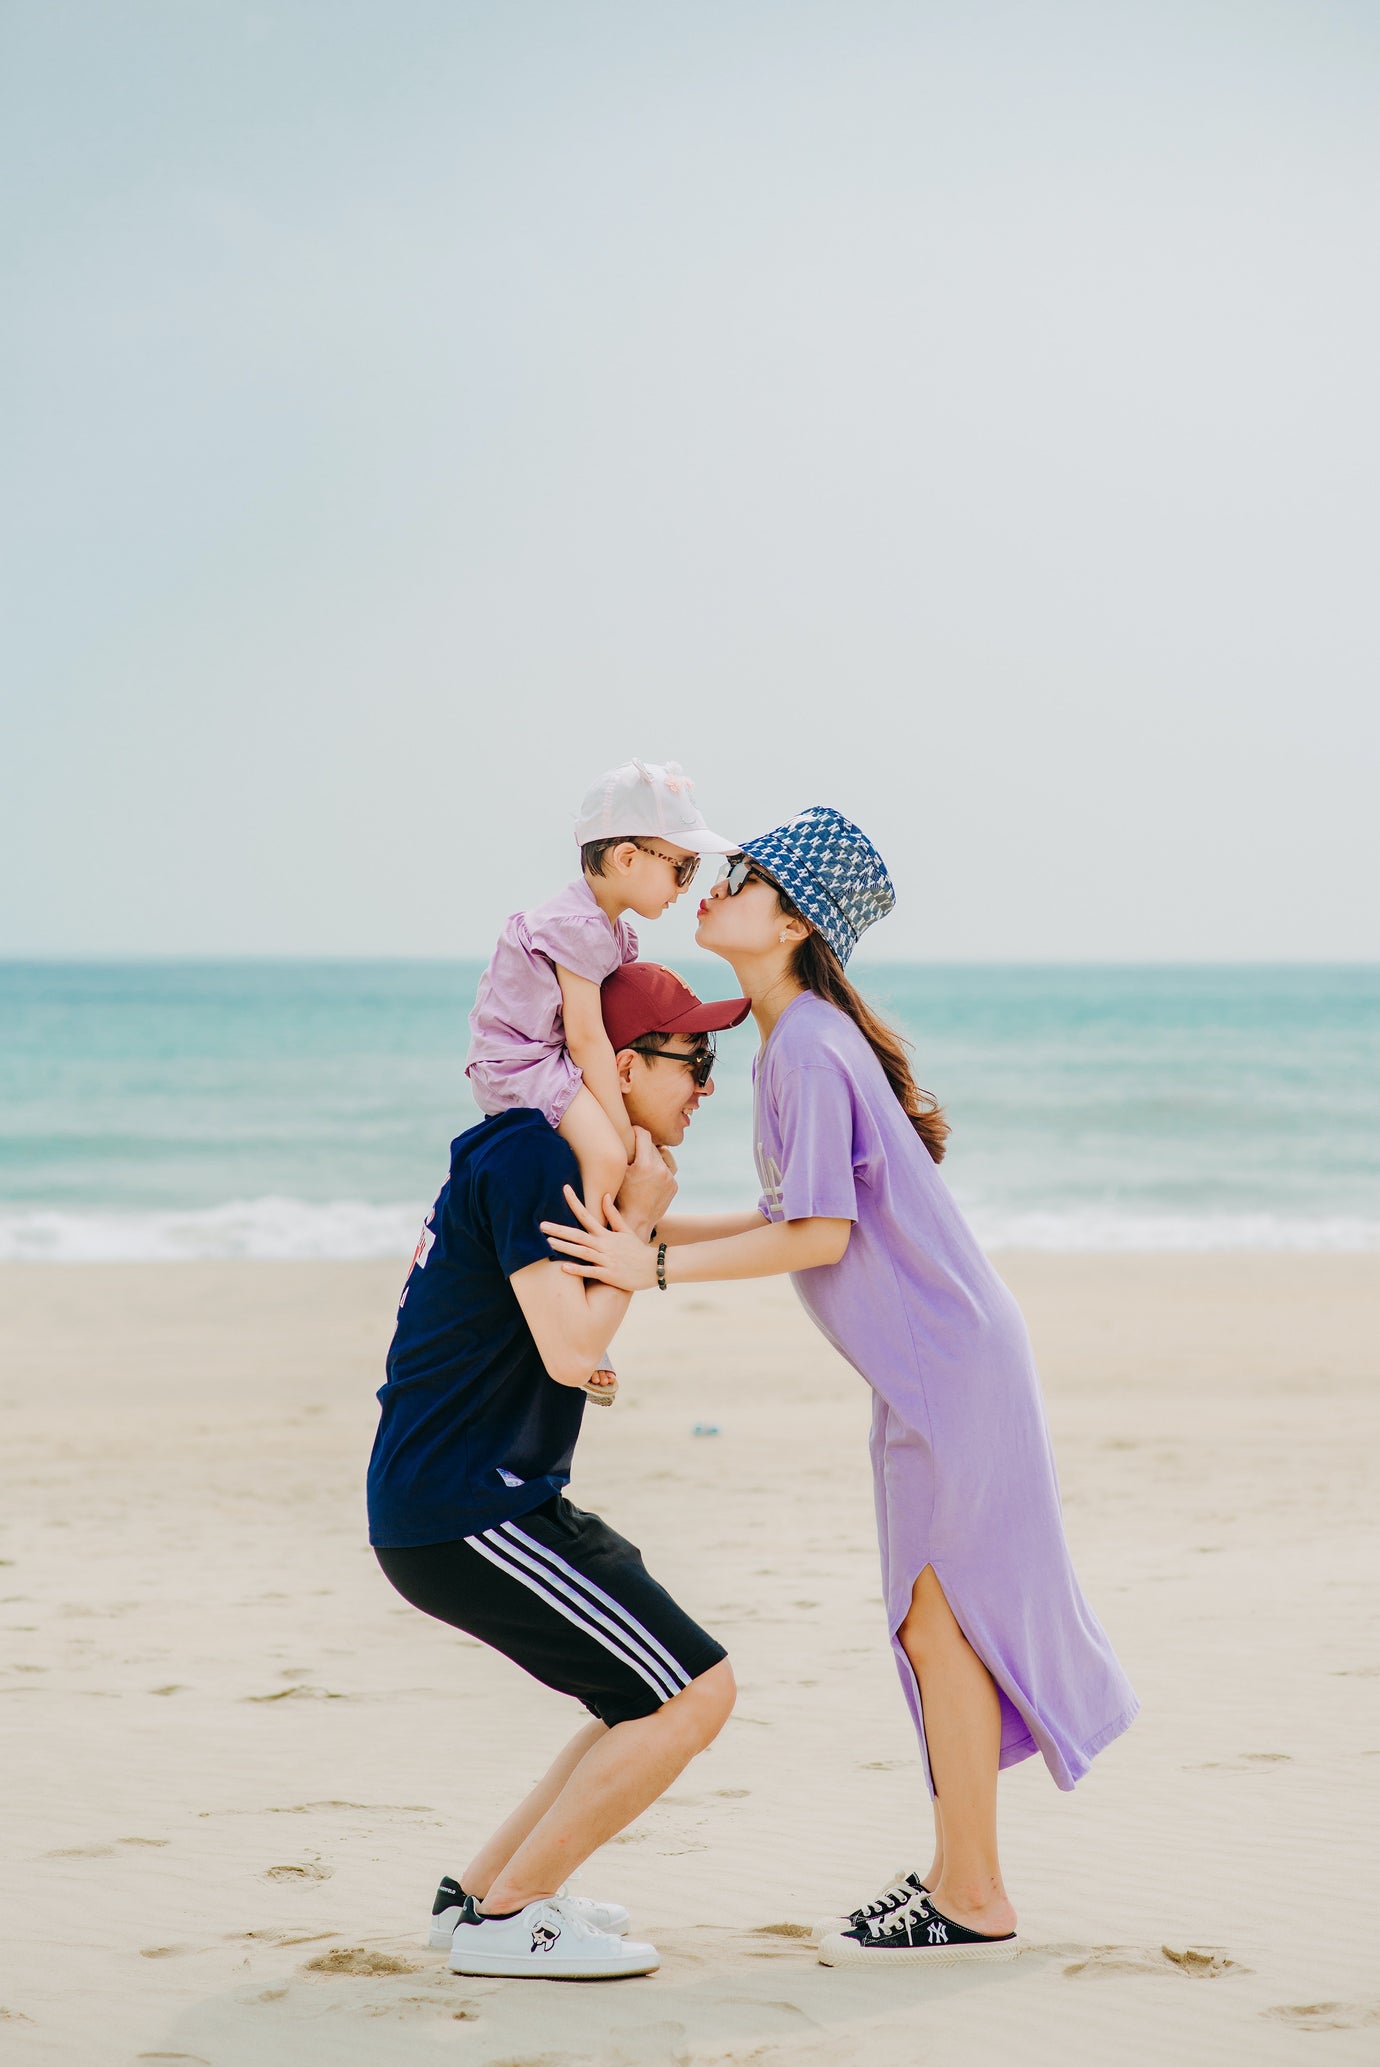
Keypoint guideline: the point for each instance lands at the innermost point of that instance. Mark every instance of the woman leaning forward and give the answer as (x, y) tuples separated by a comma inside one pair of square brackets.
[(999, 1654)]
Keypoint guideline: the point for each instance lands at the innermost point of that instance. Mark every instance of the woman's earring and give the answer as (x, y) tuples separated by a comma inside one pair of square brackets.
[(783, 940)]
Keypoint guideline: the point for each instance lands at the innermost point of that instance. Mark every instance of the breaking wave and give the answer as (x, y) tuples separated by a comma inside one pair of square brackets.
[(348, 1230)]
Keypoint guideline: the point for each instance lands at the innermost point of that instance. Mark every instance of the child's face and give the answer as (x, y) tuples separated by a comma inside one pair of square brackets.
[(647, 875)]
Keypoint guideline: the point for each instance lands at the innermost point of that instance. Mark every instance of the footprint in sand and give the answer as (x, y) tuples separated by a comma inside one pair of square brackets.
[(1242, 1760), (357, 1959), (313, 1870), (1324, 2016), (164, 1951), (1194, 1962), (297, 1694), (280, 1937)]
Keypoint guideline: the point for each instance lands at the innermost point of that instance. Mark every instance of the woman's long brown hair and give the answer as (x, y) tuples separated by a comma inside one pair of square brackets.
[(817, 967)]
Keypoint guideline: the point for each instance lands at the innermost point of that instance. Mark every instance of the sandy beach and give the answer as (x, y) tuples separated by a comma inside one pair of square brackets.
[(236, 1763)]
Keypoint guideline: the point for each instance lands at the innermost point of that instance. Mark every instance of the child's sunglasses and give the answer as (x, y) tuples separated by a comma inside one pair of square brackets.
[(685, 870)]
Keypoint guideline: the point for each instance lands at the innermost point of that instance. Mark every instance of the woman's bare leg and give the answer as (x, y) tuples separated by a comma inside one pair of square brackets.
[(936, 1872), (963, 1733)]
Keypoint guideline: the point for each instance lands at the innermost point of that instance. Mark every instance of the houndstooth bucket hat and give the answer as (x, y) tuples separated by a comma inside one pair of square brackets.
[(830, 870)]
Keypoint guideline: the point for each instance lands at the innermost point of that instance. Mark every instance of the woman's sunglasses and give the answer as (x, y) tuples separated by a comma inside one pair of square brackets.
[(700, 1064), (736, 873)]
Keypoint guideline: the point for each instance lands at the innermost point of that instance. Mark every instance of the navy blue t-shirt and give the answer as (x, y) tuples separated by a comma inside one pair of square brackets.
[(472, 1430)]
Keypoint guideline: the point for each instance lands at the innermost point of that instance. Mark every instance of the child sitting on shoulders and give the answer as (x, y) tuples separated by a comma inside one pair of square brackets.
[(537, 1032)]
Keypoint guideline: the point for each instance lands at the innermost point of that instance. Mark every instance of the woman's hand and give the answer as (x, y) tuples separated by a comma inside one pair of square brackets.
[(612, 1255)]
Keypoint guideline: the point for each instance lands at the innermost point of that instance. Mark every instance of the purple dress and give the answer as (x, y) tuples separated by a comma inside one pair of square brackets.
[(961, 1459), (518, 1055)]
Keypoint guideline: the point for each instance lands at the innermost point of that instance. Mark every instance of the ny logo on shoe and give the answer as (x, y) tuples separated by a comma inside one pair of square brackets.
[(938, 1934), (543, 1937)]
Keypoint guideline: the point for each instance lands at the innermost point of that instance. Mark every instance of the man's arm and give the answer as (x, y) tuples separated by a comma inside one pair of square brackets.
[(571, 1334)]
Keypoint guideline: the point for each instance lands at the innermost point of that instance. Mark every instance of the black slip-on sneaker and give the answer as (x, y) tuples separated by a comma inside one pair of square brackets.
[(919, 1936)]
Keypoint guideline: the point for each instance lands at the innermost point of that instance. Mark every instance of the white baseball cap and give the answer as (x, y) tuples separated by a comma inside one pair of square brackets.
[(648, 799)]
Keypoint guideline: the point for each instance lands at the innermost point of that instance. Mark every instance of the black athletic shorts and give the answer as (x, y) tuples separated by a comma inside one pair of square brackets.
[(566, 1598)]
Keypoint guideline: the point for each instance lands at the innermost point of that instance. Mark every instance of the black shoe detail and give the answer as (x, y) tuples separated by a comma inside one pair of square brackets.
[(449, 1895), (921, 1925), (472, 1913), (884, 1905)]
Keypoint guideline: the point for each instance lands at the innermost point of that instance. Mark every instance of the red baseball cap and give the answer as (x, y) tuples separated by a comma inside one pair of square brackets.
[(643, 997)]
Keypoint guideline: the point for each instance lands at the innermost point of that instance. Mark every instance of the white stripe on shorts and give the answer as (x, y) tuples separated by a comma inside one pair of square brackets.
[(571, 1581), (587, 1585), (617, 1644)]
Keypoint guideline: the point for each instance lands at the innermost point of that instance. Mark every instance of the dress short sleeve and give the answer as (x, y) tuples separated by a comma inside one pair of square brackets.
[(815, 1121), (584, 944)]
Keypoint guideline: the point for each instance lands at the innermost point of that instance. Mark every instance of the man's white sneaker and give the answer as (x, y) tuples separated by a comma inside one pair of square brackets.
[(903, 1887), (450, 1897), (546, 1941)]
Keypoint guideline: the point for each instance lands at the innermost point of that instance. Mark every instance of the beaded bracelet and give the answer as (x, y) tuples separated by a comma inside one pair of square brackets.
[(661, 1267)]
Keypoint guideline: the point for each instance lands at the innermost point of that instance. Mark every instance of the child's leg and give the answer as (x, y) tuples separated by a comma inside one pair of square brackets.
[(591, 1133), (603, 1166)]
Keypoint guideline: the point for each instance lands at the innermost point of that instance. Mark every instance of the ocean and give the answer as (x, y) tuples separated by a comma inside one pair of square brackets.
[(164, 1110)]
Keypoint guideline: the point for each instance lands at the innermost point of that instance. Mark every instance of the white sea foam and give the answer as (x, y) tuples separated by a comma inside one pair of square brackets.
[(1095, 1231), (347, 1230), (276, 1229)]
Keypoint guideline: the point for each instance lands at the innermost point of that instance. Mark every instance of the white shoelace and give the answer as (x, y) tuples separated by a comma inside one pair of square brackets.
[(895, 1897), (897, 1920)]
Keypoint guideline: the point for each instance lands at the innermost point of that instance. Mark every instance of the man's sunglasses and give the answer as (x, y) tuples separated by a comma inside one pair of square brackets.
[(736, 873), (699, 1062)]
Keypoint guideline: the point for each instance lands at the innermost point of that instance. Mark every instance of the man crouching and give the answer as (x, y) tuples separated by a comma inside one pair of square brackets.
[(485, 1391)]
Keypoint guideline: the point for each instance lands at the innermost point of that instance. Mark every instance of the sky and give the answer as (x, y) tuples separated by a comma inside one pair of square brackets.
[(966, 416)]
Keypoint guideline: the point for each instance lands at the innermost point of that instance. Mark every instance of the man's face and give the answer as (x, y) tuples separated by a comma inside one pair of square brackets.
[(659, 1090)]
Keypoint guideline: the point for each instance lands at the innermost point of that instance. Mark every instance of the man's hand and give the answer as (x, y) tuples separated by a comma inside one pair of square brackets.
[(648, 1188)]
